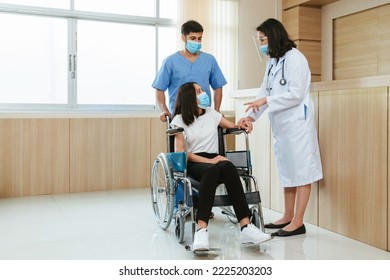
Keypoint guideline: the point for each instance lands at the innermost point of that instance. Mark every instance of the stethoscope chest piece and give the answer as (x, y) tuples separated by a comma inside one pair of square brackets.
[(282, 81)]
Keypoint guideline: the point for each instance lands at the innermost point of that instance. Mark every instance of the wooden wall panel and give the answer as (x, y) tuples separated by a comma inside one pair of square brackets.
[(90, 141), (361, 44), (312, 52), (384, 40), (290, 19), (353, 139), (109, 154), (130, 153), (11, 157), (45, 156), (35, 157), (303, 23), (286, 4)]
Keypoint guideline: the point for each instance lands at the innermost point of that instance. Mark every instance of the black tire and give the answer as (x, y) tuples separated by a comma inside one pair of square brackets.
[(179, 227)]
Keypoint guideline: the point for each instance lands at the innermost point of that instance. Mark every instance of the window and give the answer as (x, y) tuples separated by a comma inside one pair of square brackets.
[(116, 63), (33, 60), (128, 7), (168, 8), (99, 54), (61, 4), (83, 53)]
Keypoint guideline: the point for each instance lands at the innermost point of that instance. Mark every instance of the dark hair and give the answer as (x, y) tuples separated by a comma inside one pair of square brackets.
[(278, 40), (186, 103), (191, 26)]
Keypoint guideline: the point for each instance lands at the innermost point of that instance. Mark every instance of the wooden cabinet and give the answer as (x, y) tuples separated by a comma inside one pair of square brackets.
[(303, 24), (353, 140), (286, 4)]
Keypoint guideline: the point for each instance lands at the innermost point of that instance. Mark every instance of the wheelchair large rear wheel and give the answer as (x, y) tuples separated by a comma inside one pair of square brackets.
[(163, 190)]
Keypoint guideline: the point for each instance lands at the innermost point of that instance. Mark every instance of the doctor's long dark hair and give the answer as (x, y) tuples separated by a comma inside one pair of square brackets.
[(186, 103), (278, 40)]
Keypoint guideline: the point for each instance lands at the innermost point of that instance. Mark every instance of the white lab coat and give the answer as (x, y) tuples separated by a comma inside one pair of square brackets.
[(291, 113)]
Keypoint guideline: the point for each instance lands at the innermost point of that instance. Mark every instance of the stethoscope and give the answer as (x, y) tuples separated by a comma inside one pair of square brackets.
[(282, 81)]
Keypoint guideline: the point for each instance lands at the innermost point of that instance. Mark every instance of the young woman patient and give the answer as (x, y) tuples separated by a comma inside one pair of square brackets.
[(205, 165)]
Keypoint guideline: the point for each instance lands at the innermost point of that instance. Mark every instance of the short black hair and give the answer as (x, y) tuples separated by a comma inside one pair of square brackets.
[(186, 103), (191, 26), (278, 40)]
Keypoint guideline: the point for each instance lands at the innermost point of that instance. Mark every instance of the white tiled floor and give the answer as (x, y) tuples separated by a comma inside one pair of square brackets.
[(120, 224)]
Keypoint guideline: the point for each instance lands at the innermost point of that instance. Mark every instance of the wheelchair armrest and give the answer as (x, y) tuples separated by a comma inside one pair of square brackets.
[(174, 131), (235, 131)]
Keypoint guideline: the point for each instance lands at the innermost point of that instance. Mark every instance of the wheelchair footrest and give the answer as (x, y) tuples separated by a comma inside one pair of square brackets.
[(223, 200)]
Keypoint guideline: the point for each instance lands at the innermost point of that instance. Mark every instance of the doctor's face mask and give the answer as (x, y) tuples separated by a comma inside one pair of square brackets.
[(263, 43), (264, 49)]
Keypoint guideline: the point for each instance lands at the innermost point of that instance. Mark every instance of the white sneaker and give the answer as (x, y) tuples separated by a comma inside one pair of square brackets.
[(201, 240), (253, 235)]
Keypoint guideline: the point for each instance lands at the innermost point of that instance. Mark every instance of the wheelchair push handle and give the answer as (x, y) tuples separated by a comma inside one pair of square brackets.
[(167, 121), (235, 130), (174, 131)]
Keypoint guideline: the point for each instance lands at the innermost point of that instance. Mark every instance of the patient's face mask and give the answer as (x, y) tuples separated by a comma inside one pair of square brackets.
[(193, 47), (204, 100)]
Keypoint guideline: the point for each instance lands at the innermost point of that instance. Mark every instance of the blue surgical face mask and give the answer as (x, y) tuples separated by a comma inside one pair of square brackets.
[(193, 47), (264, 49), (204, 100)]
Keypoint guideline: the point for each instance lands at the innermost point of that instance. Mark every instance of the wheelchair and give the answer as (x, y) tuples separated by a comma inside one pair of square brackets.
[(169, 172)]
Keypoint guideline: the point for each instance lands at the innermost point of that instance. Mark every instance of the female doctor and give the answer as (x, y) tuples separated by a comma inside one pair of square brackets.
[(285, 91)]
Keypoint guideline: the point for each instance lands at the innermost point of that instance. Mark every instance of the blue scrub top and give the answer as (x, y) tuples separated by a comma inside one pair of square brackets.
[(177, 70)]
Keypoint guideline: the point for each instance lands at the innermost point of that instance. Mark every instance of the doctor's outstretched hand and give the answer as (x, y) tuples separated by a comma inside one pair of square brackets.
[(256, 104)]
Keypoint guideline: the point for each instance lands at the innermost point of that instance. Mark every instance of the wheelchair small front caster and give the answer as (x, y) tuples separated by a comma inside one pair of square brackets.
[(179, 227)]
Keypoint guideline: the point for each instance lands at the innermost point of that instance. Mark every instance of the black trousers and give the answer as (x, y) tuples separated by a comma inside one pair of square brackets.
[(210, 176)]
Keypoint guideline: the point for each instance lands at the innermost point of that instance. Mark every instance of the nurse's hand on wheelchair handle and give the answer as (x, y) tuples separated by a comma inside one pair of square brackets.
[(164, 116)]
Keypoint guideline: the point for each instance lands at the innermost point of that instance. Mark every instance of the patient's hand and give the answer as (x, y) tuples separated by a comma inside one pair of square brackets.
[(218, 159), (245, 123)]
